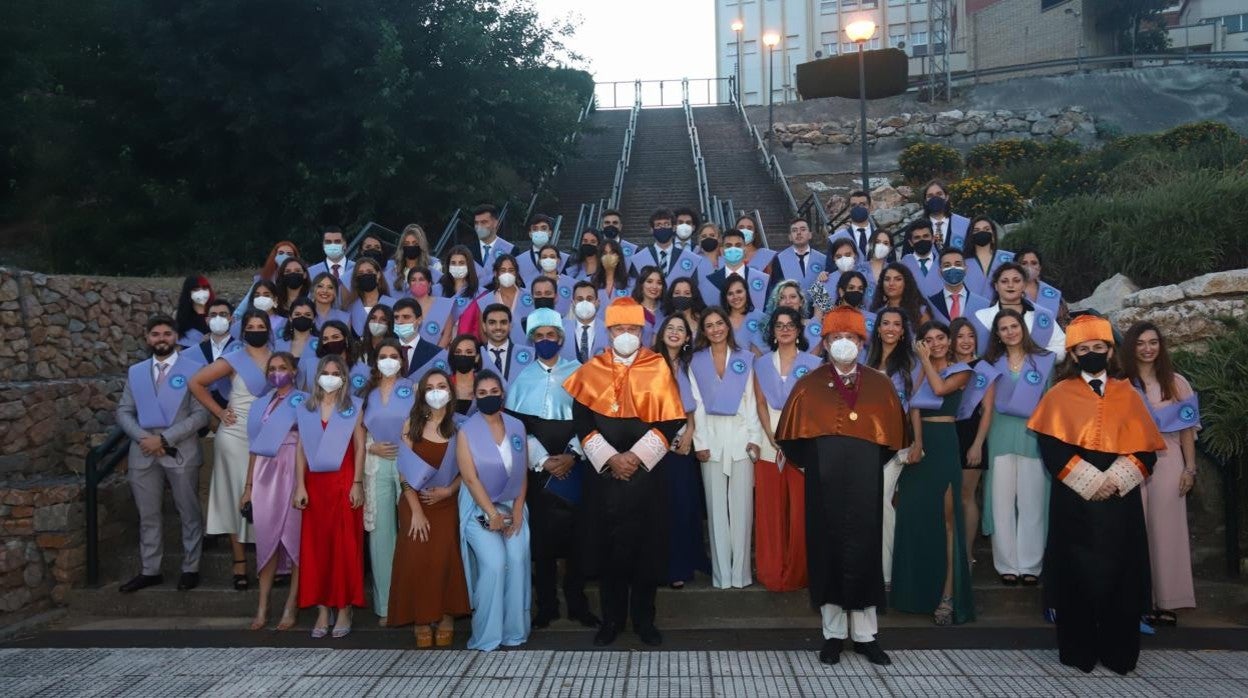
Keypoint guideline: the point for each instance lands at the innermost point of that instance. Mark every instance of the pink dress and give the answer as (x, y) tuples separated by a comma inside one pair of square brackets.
[(277, 523), (1165, 515)]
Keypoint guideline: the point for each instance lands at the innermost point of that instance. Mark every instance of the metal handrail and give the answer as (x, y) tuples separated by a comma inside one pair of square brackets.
[(1079, 62), (760, 235), (699, 163), (371, 227), (769, 160), (610, 98), (101, 462), (813, 211), (448, 232), (626, 153)]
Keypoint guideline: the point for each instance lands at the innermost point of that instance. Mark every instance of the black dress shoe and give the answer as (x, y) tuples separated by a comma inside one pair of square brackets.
[(606, 634), (543, 618), (831, 652), (650, 635), (873, 652), (141, 581), (585, 617), (188, 581)]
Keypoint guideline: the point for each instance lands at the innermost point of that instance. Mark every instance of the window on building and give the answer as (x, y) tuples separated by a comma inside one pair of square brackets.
[(895, 3), (918, 39), (1234, 24), (831, 49), (896, 35), (732, 49), (827, 7), (1048, 4), (751, 48)]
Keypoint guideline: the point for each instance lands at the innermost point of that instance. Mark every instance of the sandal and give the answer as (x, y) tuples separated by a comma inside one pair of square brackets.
[(1162, 617), (424, 637), (944, 612), (1030, 580), (287, 622), (445, 636), (240, 580), (1009, 580)]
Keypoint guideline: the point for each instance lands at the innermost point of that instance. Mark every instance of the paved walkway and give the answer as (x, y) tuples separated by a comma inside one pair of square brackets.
[(330, 672)]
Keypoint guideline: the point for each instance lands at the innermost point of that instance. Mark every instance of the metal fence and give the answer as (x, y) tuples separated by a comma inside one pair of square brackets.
[(661, 93)]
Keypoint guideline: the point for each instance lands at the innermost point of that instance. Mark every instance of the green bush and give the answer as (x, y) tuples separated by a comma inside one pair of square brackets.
[(925, 161), (987, 196), (1062, 149), (1068, 178), (1187, 135), (1219, 376), (994, 156)]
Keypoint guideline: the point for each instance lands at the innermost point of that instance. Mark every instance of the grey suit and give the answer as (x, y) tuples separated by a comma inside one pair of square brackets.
[(148, 475)]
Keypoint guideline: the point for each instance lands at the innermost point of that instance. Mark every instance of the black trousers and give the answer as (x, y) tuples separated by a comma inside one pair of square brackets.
[(553, 535), (622, 598)]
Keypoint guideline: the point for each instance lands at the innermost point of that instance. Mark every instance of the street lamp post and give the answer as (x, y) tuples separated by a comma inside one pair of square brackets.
[(738, 26), (770, 39), (860, 32)]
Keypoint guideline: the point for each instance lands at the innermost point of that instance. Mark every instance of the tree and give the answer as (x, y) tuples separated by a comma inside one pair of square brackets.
[(1135, 24)]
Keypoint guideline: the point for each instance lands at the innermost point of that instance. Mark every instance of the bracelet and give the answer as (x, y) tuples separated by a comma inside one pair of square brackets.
[(247, 486), (1189, 471), (357, 482)]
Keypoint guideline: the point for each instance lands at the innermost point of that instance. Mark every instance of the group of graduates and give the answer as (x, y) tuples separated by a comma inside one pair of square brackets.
[(826, 413)]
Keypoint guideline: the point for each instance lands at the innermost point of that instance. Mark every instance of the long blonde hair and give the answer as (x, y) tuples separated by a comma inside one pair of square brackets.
[(400, 262), (318, 393)]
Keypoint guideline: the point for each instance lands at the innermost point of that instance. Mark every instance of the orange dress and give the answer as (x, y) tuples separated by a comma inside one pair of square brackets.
[(331, 550), (427, 578)]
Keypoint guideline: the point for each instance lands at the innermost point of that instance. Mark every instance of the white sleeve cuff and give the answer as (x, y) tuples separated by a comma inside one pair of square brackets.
[(650, 449), (1083, 478), (598, 451), (1126, 474), (537, 453)]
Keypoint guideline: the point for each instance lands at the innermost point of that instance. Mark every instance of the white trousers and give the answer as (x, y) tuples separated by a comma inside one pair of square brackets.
[(837, 623), (892, 471), (1018, 511), (730, 512)]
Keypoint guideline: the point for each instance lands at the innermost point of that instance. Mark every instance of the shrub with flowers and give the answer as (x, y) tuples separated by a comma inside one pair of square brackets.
[(921, 162), (987, 195), (997, 155), (1069, 178)]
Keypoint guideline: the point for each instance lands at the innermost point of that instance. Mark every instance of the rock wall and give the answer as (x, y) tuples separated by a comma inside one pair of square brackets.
[(1191, 312), (954, 127)]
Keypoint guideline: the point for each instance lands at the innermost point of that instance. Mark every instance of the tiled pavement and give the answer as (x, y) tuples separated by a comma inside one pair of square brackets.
[(344, 672)]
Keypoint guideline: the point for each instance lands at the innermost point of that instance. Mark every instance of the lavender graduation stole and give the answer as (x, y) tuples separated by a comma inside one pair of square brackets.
[(900, 386), (756, 280), (266, 432), (357, 378), (1177, 416), (499, 485), (775, 390), (325, 446), (1042, 325), (385, 421), (439, 316), (686, 391), (252, 375), (1048, 298), (418, 473), (755, 327), (722, 396), (156, 409), (973, 393), (1018, 395), (925, 398), (459, 303)]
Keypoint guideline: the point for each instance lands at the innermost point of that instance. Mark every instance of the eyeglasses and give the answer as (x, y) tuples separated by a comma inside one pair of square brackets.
[(780, 326)]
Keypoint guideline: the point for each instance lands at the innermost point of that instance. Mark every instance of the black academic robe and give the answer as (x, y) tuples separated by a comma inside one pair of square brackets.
[(552, 520), (625, 524), (1096, 567)]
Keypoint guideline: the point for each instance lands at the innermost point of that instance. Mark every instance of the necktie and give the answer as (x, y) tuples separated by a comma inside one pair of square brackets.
[(849, 380), (407, 356), (956, 310), (335, 269), (485, 253), (940, 226), (923, 266), (161, 369), (584, 343), (498, 358), (1096, 384), (862, 241), (801, 260), (663, 261)]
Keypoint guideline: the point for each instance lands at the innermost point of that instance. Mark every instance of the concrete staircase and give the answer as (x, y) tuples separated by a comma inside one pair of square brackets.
[(588, 176), (734, 170), (661, 174)]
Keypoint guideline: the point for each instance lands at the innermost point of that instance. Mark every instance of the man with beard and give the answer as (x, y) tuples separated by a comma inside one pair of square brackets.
[(627, 407), (162, 420), (841, 424)]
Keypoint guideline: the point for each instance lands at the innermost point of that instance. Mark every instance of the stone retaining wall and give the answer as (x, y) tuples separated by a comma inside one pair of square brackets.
[(1191, 312)]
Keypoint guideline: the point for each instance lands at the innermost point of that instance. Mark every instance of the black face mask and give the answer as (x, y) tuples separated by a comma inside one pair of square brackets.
[(301, 323), (366, 283), (611, 232), (411, 251), (256, 338), (922, 247), (935, 204), (682, 303), (1093, 362), (463, 364), (337, 346), (853, 298), (490, 404), (981, 238), (709, 244), (292, 279), (544, 303), (589, 250)]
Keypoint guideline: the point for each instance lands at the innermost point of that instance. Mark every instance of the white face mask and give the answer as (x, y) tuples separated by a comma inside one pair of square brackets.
[(458, 271), (881, 250), (328, 383), (684, 231), (549, 264), (437, 398), (262, 303), (626, 344), (506, 279), (200, 297), (388, 367), (845, 264), (219, 325), (585, 310), (378, 329), (843, 350), (539, 238)]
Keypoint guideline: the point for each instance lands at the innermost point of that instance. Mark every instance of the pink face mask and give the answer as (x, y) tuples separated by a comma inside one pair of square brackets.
[(420, 289)]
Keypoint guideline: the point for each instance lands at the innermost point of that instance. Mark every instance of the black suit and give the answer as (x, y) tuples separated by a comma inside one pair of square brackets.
[(422, 353)]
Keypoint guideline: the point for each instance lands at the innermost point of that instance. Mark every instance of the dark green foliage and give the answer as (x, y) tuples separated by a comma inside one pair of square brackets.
[(164, 136)]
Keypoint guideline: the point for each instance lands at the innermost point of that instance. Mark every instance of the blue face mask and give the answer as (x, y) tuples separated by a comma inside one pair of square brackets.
[(953, 275), (935, 205), (539, 237), (281, 259), (859, 214), (663, 235), (405, 331), (734, 255), (749, 235), (333, 250), (546, 348)]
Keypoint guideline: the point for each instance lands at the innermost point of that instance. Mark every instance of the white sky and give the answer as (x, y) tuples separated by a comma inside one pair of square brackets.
[(647, 39)]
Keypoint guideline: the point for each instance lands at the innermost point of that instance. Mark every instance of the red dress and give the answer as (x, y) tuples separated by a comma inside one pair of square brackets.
[(331, 552)]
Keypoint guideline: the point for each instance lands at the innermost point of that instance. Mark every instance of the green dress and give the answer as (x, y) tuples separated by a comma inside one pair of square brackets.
[(920, 540)]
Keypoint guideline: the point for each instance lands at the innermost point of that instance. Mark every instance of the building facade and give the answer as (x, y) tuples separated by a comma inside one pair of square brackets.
[(813, 29), (1011, 32), (1208, 26)]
